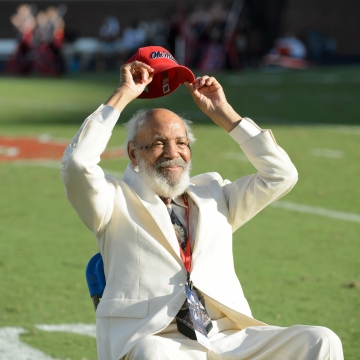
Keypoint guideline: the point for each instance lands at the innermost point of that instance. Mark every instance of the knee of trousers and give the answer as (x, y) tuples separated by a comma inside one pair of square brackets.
[(321, 336), (324, 334)]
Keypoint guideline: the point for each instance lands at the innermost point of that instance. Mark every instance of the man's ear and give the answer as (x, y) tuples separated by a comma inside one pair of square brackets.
[(131, 153)]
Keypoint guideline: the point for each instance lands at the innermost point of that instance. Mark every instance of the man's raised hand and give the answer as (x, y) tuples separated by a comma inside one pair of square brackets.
[(134, 77), (209, 96)]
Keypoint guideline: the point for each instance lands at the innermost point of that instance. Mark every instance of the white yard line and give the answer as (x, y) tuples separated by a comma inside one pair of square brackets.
[(329, 153), (315, 210), (81, 329), (342, 129), (12, 348), (52, 164), (42, 105), (9, 151)]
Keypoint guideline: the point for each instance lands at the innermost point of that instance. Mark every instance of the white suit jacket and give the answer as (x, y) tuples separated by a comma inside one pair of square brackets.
[(144, 272)]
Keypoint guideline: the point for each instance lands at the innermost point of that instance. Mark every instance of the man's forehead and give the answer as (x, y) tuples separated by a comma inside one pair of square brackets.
[(162, 123), (161, 115)]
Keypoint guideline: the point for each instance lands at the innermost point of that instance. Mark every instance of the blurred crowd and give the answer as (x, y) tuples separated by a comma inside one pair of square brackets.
[(209, 37), (40, 36)]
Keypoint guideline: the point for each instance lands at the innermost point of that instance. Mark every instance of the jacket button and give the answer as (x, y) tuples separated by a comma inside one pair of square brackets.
[(174, 307)]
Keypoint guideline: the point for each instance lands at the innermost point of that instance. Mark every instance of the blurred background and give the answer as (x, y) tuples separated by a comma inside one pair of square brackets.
[(54, 37), (290, 65)]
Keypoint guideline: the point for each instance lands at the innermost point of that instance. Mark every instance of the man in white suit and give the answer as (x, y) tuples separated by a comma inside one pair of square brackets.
[(145, 268)]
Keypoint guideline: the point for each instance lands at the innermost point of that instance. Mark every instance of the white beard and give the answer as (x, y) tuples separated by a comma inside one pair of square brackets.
[(165, 185)]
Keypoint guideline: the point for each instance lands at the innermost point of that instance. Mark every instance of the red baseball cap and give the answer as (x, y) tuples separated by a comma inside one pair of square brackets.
[(168, 75)]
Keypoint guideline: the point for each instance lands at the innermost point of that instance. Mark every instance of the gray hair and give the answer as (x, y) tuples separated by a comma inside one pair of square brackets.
[(139, 118)]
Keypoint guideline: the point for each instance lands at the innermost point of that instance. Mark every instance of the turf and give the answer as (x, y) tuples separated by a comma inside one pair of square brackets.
[(294, 267)]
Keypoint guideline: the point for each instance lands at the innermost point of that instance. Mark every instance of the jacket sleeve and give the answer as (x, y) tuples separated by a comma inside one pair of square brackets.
[(276, 176), (88, 189)]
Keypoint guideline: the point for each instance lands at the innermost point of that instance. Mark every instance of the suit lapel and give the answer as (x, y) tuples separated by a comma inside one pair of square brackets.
[(154, 206)]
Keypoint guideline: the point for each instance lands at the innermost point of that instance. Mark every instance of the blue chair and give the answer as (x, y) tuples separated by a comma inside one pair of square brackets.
[(95, 278)]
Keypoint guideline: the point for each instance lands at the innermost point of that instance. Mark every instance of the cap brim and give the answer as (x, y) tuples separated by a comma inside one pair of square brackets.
[(166, 80), (183, 73)]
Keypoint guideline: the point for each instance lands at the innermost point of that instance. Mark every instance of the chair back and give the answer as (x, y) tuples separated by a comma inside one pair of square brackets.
[(95, 278)]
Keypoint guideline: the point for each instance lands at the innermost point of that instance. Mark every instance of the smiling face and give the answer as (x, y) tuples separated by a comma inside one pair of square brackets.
[(161, 153)]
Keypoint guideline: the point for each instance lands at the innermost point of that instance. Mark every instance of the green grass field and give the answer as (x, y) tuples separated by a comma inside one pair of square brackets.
[(296, 266)]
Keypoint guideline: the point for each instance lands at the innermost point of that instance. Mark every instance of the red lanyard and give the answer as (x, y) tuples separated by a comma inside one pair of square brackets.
[(186, 257)]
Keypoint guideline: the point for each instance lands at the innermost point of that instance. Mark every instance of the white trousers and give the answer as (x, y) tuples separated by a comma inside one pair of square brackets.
[(256, 343)]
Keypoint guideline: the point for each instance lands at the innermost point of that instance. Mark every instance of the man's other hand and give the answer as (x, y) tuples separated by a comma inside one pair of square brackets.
[(207, 93), (209, 96)]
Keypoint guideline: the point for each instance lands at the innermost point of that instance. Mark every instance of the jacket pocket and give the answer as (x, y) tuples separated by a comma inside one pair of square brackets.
[(122, 307)]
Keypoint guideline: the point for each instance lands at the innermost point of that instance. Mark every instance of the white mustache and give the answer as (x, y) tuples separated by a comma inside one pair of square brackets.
[(176, 162)]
